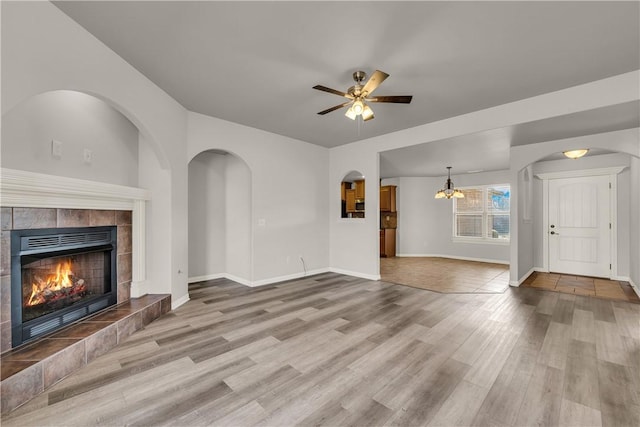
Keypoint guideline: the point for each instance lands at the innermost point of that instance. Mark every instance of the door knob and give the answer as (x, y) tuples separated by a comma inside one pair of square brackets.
[(552, 226), (553, 232)]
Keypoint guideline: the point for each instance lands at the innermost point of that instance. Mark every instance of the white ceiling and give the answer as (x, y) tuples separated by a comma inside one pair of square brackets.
[(255, 63)]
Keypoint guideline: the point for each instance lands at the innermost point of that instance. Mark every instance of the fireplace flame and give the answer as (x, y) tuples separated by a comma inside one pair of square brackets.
[(57, 281)]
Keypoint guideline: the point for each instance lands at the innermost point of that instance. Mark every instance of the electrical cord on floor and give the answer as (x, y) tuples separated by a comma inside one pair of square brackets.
[(304, 267)]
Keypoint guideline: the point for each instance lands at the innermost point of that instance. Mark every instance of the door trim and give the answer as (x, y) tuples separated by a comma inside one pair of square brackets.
[(613, 210)]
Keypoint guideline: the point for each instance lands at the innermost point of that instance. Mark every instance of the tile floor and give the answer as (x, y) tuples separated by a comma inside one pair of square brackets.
[(581, 285), (445, 275)]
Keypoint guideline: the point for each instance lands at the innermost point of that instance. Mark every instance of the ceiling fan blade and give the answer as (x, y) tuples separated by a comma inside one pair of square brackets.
[(335, 92), (374, 81), (400, 99), (334, 108)]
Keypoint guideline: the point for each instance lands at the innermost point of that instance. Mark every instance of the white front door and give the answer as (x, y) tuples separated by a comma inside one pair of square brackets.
[(579, 226)]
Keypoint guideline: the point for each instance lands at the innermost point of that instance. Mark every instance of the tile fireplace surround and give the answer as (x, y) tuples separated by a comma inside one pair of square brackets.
[(33, 218), (33, 201)]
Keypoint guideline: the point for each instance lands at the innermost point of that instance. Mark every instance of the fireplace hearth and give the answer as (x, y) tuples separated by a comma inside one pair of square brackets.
[(58, 276)]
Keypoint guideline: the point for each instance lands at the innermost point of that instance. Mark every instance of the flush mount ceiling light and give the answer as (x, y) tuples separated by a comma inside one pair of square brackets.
[(576, 154), (448, 191), (359, 93)]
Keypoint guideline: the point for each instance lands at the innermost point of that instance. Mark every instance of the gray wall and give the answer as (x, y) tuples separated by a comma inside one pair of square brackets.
[(79, 121)]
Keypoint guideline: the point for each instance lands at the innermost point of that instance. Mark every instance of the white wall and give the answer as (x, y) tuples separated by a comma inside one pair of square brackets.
[(159, 238), (355, 242), (425, 224), (207, 215), (79, 121), (238, 218), (219, 217), (353, 246), (634, 226), (69, 58), (289, 196)]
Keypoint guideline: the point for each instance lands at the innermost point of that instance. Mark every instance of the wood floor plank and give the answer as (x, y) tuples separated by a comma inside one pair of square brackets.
[(579, 385), (461, 406), (555, 346), (583, 326), (609, 344), (619, 395), (431, 395), (542, 401), (337, 350), (507, 393), (574, 414)]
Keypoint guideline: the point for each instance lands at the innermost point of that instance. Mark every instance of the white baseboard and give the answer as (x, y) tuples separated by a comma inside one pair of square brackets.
[(463, 258), (288, 277), (634, 286), (517, 283), (256, 283), (355, 274), (177, 303), (205, 277), (621, 278)]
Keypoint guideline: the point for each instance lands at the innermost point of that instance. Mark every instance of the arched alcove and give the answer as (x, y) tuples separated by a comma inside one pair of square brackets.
[(219, 217), (72, 134), (352, 195)]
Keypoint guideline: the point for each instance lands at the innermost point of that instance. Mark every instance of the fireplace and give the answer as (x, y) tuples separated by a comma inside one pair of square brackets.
[(60, 275)]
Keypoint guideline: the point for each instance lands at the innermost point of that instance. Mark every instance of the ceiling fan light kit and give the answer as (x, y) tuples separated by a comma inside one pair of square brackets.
[(358, 94), (449, 191)]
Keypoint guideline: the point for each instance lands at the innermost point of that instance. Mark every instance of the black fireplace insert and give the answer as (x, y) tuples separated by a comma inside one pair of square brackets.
[(60, 275)]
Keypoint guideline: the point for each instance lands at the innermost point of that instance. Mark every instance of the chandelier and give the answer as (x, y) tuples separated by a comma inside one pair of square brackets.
[(449, 191)]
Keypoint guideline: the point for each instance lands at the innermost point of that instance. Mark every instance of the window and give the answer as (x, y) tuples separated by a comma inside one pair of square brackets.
[(483, 213)]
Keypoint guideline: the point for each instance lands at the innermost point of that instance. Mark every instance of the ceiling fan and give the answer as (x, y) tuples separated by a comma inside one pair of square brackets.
[(360, 94)]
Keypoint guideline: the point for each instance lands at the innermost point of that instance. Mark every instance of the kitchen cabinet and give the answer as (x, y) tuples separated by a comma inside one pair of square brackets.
[(350, 197), (388, 242), (359, 184), (344, 186), (388, 198)]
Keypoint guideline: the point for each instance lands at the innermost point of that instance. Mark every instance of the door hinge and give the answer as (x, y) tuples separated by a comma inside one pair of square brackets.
[(609, 186), (609, 226), (609, 266)]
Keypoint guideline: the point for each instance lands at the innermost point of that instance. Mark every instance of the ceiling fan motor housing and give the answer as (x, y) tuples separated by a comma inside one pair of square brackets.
[(359, 76)]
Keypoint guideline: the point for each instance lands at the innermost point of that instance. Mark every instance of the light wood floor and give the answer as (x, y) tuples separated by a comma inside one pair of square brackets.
[(335, 350), (445, 275)]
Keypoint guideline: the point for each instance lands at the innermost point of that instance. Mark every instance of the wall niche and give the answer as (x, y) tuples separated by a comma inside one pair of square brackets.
[(352, 195)]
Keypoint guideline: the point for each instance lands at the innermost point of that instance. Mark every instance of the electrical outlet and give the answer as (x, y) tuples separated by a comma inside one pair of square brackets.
[(56, 149), (87, 156)]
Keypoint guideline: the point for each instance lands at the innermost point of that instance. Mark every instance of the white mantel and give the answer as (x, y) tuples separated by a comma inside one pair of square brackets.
[(36, 190)]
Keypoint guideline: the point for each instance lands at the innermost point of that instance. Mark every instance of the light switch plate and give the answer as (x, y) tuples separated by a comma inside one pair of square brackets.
[(56, 149), (87, 156)]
